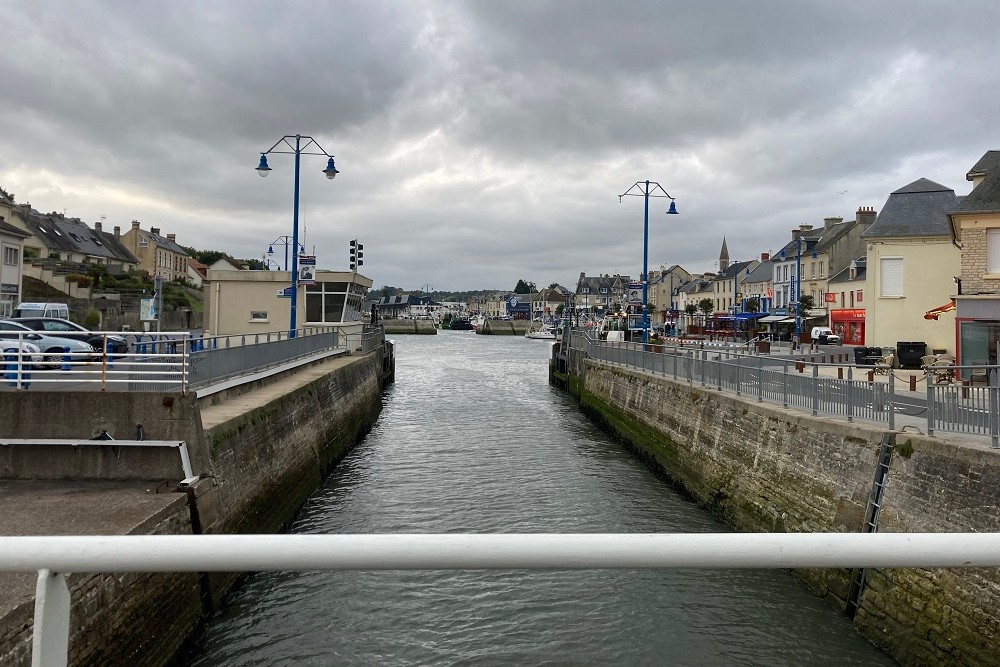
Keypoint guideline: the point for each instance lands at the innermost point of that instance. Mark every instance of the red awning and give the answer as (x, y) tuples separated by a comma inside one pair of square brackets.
[(934, 313)]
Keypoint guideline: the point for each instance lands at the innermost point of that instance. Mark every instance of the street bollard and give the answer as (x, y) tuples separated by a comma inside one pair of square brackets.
[(10, 366), (66, 365)]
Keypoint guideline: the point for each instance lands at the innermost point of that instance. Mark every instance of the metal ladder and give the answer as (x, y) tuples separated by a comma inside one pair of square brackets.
[(871, 518)]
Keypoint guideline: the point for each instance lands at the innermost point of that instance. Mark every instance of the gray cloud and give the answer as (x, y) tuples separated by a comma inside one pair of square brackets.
[(484, 142)]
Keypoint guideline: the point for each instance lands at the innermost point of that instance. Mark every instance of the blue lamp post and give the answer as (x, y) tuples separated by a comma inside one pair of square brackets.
[(647, 189), (300, 146), (798, 291), (285, 241)]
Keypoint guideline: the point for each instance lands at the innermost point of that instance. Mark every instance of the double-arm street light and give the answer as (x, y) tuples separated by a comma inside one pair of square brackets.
[(647, 189), (300, 146), (285, 241)]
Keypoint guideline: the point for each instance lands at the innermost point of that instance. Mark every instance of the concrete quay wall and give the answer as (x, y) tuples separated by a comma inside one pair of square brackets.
[(764, 468), (408, 327), (259, 454)]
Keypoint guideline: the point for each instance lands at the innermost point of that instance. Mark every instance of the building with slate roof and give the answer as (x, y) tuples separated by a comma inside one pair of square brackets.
[(975, 229), (663, 286), (157, 255), (54, 236), (911, 262)]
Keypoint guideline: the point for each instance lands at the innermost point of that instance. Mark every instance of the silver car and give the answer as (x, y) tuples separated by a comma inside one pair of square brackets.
[(30, 354), (52, 348)]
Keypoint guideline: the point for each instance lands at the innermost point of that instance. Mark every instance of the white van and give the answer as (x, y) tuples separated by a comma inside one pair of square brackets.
[(824, 336), (60, 310)]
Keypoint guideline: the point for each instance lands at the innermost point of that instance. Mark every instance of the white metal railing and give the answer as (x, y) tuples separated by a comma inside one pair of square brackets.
[(180, 445), (171, 361), (53, 556), (956, 406)]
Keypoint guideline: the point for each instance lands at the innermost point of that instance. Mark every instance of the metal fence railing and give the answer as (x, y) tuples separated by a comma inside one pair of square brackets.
[(51, 557), (843, 390), (174, 361)]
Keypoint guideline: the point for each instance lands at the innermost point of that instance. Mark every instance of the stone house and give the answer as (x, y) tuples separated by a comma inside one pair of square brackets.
[(157, 255), (975, 229)]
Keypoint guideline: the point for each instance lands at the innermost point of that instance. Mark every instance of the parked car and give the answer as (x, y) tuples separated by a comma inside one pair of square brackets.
[(31, 354), (52, 347), (55, 326), (825, 336)]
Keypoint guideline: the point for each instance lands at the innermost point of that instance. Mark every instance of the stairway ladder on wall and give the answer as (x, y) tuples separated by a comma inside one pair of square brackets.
[(871, 518)]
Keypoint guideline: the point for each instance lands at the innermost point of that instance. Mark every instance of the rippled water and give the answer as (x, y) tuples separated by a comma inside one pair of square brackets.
[(472, 439)]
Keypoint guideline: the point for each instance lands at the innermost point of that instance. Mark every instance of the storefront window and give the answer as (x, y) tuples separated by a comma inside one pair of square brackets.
[(978, 343)]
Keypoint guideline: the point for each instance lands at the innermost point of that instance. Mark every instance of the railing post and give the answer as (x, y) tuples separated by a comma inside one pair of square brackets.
[(994, 396), (784, 384), (930, 403), (701, 369), (815, 390), (892, 399), (689, 363), (760, 382), (50, 640), (719, 376), (850, 394), (738, 389)]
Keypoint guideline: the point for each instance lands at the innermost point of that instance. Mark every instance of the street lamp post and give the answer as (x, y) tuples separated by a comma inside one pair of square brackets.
[(798, 291), (297, 149), (646, 191), (285, 241)]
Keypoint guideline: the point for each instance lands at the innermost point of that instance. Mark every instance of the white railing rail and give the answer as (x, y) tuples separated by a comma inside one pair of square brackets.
[(52, 556)]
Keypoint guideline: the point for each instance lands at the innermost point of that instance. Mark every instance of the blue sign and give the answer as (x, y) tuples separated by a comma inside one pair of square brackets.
[(285, 293)]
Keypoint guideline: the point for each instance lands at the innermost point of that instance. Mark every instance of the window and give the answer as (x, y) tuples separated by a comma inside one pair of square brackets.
[(10, 255), (258, 316), (993, 250), (891, 276)]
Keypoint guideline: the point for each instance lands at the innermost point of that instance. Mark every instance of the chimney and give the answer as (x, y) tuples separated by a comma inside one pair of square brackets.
[(795, 234), (830, 222), (97, 226), (155, 231), (118, 231), (135, 225), (172, 238), (865, 216), (764, 256), (805, 228)]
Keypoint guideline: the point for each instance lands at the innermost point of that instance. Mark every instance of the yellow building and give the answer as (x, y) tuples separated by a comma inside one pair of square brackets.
[(158, 255), (911, 263), (239, 302)]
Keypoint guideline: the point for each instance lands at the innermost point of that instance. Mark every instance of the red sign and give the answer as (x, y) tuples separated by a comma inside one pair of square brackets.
[(830, 297), (848, 314)]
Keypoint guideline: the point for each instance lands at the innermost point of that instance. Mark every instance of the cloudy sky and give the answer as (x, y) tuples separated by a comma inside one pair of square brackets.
[(483, 142)]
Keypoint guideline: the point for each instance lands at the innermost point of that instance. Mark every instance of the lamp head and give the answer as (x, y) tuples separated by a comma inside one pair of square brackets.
[(673, 208), (331, 169), (270, 250), (262, 168), (782, 253)]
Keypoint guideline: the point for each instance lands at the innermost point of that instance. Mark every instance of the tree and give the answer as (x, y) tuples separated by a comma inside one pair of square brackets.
[(706, 306), (807, 303), (525, 287), (553, 285), (752, 305), (690, 309)]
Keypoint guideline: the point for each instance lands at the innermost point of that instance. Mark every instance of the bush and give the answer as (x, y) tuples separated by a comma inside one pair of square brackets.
[(92, 319)]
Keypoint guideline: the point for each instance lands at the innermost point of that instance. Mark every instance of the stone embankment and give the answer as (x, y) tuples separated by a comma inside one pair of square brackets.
[(260, 450), (761, 467), (504, 327), (408, 327)]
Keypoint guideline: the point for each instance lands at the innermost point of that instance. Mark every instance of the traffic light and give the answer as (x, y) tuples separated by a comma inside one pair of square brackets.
[(354, 254), (360, 254)]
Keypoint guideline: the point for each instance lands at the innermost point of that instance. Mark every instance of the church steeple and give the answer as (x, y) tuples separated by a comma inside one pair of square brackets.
[(723, 256)]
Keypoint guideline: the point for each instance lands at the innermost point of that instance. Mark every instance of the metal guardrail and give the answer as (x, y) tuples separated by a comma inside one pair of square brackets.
[(175, 361), (959, 407), (51, 557)]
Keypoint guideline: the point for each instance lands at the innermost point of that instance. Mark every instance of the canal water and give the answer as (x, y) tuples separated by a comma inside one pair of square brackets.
[(473, 439)]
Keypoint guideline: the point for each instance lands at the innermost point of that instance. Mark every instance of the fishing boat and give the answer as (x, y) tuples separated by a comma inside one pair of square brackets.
[(546, 332), (460, 324)]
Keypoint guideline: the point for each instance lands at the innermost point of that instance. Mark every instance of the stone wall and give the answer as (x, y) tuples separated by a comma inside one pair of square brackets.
[(408, 327), (257, 468), (764, 468)]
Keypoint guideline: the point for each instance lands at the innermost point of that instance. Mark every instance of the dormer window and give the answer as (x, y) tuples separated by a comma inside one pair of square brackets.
[(604, 290)]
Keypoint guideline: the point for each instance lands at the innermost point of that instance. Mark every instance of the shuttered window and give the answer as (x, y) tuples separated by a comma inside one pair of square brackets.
[(891, 276), (993, 251)]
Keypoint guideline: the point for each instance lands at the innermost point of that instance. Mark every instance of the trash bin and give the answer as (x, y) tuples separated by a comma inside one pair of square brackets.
[(763, 347), (909, 353), (861, 356)]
